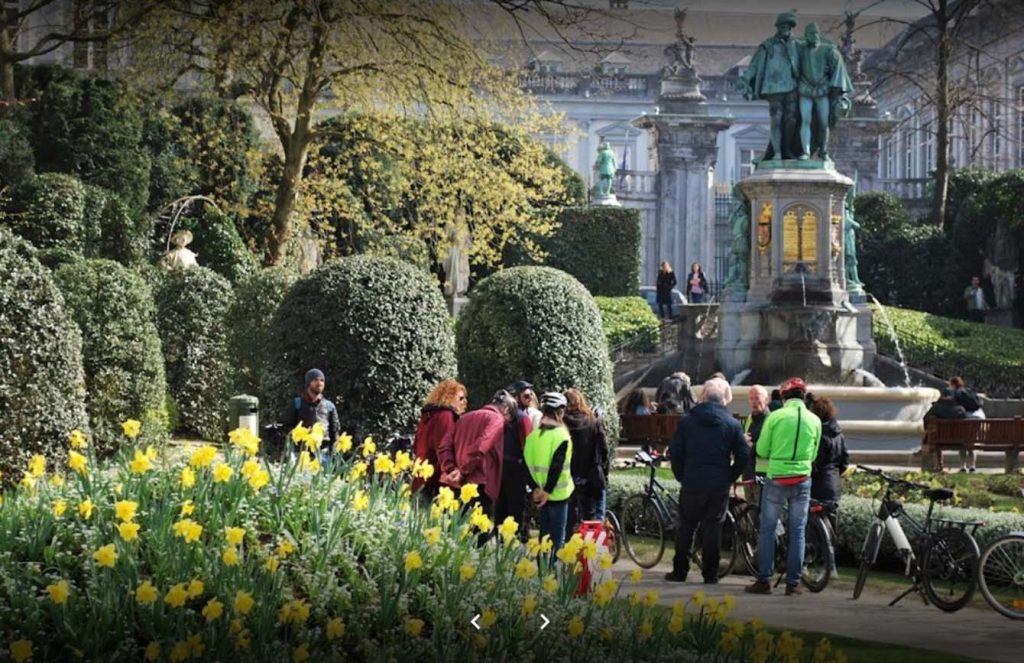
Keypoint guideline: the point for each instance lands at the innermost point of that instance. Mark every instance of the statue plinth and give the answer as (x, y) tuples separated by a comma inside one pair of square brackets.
[(795, 317), (610, 200)]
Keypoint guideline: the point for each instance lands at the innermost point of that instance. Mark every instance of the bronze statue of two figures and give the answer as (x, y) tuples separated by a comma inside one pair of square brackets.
[(806, 86)]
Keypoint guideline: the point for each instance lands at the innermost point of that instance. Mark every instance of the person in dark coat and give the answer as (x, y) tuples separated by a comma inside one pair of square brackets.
[(591, 461), (311, 407), (708, 452), (944, 408), (674, 395), (441, 410), (666, 281), (832, 460), (512, 496), (696, 284)]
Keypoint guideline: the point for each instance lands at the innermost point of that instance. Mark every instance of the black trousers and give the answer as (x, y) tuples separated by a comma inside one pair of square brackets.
[(512, 496), (700, 507)]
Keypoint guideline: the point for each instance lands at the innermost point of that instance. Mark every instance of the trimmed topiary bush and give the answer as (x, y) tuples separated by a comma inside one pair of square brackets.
[(629, 323), (16, 159), (192, 307), (112, 231), (124, 368), (377, 327), (257, 297), (42, 388), (540, 324), (48, 210)]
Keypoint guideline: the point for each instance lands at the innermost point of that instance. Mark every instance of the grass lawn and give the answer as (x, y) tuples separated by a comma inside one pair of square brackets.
[(866, 651)]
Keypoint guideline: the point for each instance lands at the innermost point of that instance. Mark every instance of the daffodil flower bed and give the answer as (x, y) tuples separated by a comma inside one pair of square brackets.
[(224, 556)]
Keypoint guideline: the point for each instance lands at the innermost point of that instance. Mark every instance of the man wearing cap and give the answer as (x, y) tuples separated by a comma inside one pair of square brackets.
[(310, 407), (789, 440), (772, 75), (526, 399)]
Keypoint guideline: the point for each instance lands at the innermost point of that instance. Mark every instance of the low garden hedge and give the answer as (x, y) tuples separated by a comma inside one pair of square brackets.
[(257, 297), (629, 323), (48, 210), (990, 358)]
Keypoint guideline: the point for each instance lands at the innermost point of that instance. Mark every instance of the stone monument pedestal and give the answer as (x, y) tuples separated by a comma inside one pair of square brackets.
[(610, 200), (795, 317)]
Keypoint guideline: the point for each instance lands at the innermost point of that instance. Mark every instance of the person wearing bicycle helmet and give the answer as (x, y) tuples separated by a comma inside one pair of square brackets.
[(789, 440), (548, 455), (708, 453)]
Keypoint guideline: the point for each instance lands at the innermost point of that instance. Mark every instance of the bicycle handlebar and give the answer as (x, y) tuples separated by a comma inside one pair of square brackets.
[(893, 480)]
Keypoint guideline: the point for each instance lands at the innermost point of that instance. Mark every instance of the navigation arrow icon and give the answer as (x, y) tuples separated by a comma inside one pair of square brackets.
[(546, 622), (474, 622)]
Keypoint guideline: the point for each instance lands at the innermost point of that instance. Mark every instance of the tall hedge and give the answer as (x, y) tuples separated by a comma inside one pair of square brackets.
[(192, 307), (536, 323), (112, 230), (48, 210), (42, 387), (257, 297), (16, 158), (215, 240), (600, 246), (629, 323), (377, 327), (124, 367)]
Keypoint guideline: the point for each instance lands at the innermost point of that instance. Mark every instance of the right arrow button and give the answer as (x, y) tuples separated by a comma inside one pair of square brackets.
[(546, 622)]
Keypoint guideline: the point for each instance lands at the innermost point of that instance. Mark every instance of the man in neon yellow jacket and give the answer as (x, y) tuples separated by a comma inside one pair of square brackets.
[(548, 456), (789, 440)]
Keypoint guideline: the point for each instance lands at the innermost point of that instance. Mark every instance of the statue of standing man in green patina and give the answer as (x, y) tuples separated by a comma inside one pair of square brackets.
[(824, 89), (605, 171), (772, 75)]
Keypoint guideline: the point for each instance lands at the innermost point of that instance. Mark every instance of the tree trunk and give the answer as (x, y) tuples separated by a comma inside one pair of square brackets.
[(6, 65), (942, 117), (287, 192)]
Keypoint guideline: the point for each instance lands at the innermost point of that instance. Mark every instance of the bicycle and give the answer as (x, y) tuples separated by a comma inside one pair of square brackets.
[(946, 575), (649, 517), (1001, 575), (819, 549), (612, 528)]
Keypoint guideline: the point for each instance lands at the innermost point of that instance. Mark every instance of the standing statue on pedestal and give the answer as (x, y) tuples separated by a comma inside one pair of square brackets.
[(179, 258), (824, 88), (456, 264), (772, 75), (739, 255), (605, 171), (850, 226)]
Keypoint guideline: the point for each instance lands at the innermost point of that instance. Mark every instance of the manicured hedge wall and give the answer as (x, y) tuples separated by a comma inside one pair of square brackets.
[(600, 247), (48, 210), (257, 297), (629, 323)]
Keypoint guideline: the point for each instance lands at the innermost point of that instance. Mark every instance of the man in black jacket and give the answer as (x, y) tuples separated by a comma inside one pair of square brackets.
[(310, 407), (708, 452), (944, 408)]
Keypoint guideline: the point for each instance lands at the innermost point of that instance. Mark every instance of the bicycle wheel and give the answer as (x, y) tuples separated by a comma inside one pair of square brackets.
[(868, 555), (949, 568), (747, 532), (728, 551), (1001, 575), (643, 532), (817, 555), (613, 532)]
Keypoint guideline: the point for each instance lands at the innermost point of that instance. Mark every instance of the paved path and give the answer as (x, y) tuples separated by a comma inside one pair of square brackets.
[(978, 633)]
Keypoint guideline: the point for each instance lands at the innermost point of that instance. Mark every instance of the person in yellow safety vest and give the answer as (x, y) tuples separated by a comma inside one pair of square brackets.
[(548, 456), (757, 466)]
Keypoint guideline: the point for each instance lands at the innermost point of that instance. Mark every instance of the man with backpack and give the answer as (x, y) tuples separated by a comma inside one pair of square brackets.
[(310, 407)]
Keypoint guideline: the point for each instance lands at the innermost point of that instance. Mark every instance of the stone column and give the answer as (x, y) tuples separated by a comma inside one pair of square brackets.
[(855, 149)]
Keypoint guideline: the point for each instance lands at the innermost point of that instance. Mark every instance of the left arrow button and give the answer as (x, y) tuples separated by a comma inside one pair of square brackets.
[(476, 618)]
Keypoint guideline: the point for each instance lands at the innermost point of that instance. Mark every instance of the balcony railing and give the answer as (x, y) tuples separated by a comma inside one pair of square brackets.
[(630, 85), (908, 189), (635, 182)]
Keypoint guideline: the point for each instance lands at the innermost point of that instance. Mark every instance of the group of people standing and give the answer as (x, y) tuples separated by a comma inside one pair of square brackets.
[(552, 453), (696, 287), (799, 449), (957, 401)]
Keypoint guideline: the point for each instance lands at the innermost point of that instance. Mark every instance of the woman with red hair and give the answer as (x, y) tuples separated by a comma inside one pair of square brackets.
[(440, 411)]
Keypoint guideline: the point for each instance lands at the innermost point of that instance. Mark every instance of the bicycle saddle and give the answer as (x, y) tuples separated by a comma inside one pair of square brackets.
[(939, 494)]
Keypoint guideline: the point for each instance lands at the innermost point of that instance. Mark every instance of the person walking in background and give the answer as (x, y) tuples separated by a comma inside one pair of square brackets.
[(674, 395), (974, 297), (696, 284), (832, 460), (590, 458), (310, 407), (440, 411), (638, 402), (473, 452), (945, 408), (548, 455), (666, 281), (708, 452), (967, 399), (526, 400), (789, 440)]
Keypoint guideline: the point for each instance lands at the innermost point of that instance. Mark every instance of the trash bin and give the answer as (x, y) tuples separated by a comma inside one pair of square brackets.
[(244, 412)]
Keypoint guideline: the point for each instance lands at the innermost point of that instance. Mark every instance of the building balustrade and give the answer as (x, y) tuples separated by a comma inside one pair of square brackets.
[(907, 188)]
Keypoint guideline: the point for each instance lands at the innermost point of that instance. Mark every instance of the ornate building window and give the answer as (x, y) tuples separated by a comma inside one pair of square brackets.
[(90, 22), (890, 156), (10, 17), (907, 146), (926, 158), (1020, 126), (747, 156)]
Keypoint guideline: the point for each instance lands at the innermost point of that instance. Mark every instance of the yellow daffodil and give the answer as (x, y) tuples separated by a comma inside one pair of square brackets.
[(152, 653), (28, 482), (106, 556), (230, 557), (272, 564), (57, 480), (432, 536), (294, 612), (77, 440), (698, 599), (131, 428), (300, 654), (179, 651), (403, 461), (128, 531), (369, 448), (469, 492), (299, 434), (605, 561), (646, 630), (21, 650), (195, 645), (78, 463), (213, 610), (243, 602), (59, 507), (358, 471), (187, 508), (234, 535), (636, 575), (187, 529), (259, 479), (413, 561), (146, 593), (176, 595), (335, 627), (550, 584), (59, 591), (651, 598), (526, 569), (361, 501), (414, 626), (529, 604), (383, 464), (203, 456), (85, 508), (508, 530), (222, 472), (188, 477), (245, 439), (124, 510), (344, 443), (285, 548), (576, 627), (195, 588), (315, 437), (488, 618), (466, 572), (675, 625), (37, 466), (422, 469), (141, 463)]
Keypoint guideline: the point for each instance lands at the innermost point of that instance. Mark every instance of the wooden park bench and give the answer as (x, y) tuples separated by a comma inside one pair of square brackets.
[(1006, 435), (647, 429)]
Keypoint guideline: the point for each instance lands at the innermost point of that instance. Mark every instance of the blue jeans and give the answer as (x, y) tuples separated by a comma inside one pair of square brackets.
[(774, 498), (553, 517)]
